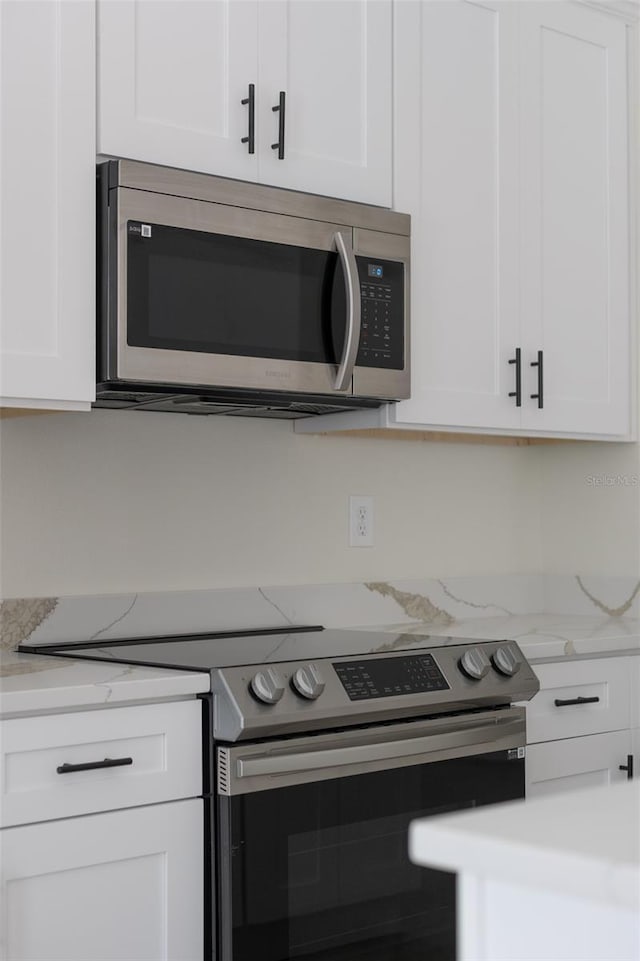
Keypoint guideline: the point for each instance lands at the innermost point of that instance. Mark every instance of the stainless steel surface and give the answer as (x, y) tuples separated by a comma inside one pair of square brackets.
[(258, 767), (236, 193), (507, 660), (154, 194), (308, 682), (151, 364), (352, 334), (267, 686), (240, 717), (475, 663)]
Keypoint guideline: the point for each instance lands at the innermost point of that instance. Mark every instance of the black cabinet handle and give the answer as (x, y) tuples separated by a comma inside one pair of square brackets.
[(576, 700), (93, 765), (628, 767), (279, 107), (517, 393), (540, 395), (250, 99)]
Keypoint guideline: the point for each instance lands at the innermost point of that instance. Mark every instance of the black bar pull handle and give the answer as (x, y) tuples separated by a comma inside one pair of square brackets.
[(576, 700), (628, 767), (540, 395), (279, 107), (94, 765), (250, 99), (517, 393)]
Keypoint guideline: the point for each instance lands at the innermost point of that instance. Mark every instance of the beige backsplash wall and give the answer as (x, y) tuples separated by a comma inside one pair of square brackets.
[(122, 501), (590, 509)]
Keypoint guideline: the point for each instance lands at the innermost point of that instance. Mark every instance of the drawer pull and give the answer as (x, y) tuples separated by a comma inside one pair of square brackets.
[(628, 767), (576, 700), (94, 765)]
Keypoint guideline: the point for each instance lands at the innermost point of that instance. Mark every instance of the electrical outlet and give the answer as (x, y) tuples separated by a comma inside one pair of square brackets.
[(360, 521)]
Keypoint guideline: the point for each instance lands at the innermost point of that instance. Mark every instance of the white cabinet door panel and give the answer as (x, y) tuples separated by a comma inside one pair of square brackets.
[(172, 75), (576, 762), (456, 87), (47, 204), (123, 886), (575, 256), (332, 58), (161, 743)]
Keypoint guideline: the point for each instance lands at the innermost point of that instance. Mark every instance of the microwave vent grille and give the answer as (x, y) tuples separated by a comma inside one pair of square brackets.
[(274, 406)]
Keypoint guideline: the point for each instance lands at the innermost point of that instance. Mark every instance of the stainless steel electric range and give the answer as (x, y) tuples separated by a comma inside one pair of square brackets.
[(321, 747)]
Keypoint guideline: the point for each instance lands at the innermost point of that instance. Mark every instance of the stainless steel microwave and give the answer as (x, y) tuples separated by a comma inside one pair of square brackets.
[(218, 296)]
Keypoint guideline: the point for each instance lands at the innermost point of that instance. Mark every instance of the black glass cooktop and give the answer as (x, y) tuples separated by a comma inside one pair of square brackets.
[(207, 651)]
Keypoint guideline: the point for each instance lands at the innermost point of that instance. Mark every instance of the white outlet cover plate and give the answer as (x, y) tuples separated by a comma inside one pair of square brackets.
[(360, 521)]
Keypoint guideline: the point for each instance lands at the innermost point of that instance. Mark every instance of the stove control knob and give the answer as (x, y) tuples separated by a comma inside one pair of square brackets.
[(474, 663), (267, 686), (507, 660), (307, 681)]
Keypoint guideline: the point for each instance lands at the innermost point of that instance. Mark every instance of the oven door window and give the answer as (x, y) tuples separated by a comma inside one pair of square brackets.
[(198, 291), (321, 871)]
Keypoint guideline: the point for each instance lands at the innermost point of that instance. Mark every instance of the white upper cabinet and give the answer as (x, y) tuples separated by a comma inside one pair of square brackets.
[(455, 173), (173, 75), (171, 80), (512, 153), (575, 226), (47, 203), (519, 168), (332, 60)]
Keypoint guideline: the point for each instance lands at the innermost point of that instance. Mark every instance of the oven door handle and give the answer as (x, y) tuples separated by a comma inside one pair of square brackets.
[(354, 320), (447, 740)]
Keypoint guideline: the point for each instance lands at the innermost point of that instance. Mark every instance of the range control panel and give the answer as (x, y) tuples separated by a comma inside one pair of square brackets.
[(389, 676), (382, 313), (260, 700)]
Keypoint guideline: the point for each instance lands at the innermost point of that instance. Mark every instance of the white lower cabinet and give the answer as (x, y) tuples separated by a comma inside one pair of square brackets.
[(580, 726), (121, 886), (577, 762), (101, 847)]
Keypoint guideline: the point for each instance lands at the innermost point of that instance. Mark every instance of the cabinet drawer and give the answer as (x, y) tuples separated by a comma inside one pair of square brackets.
[(598, 696), (559, 766), (154, 750)]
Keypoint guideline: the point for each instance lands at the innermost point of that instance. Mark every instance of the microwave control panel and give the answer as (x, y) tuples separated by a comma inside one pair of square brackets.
[(382, 313)]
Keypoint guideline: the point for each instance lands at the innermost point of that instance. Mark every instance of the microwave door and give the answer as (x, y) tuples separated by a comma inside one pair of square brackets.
[(209, 295)]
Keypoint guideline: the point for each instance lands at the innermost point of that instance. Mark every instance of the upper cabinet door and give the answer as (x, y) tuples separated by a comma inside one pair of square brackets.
[(455, 172), (575, 233), (47, 197), (332, 61), (172, 78)]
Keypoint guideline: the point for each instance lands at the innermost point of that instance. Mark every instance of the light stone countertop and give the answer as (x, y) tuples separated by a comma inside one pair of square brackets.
[(582, 843), (542, 637), (33, 683)]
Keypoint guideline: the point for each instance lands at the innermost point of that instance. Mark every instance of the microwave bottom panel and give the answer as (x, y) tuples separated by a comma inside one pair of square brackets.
[(234, 403)]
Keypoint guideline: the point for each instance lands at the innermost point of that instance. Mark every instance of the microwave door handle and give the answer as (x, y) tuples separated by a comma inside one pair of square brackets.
[(352, 335)]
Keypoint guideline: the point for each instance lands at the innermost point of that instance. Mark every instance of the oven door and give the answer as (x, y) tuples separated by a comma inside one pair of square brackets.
[(312, 836), (207, 295)]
